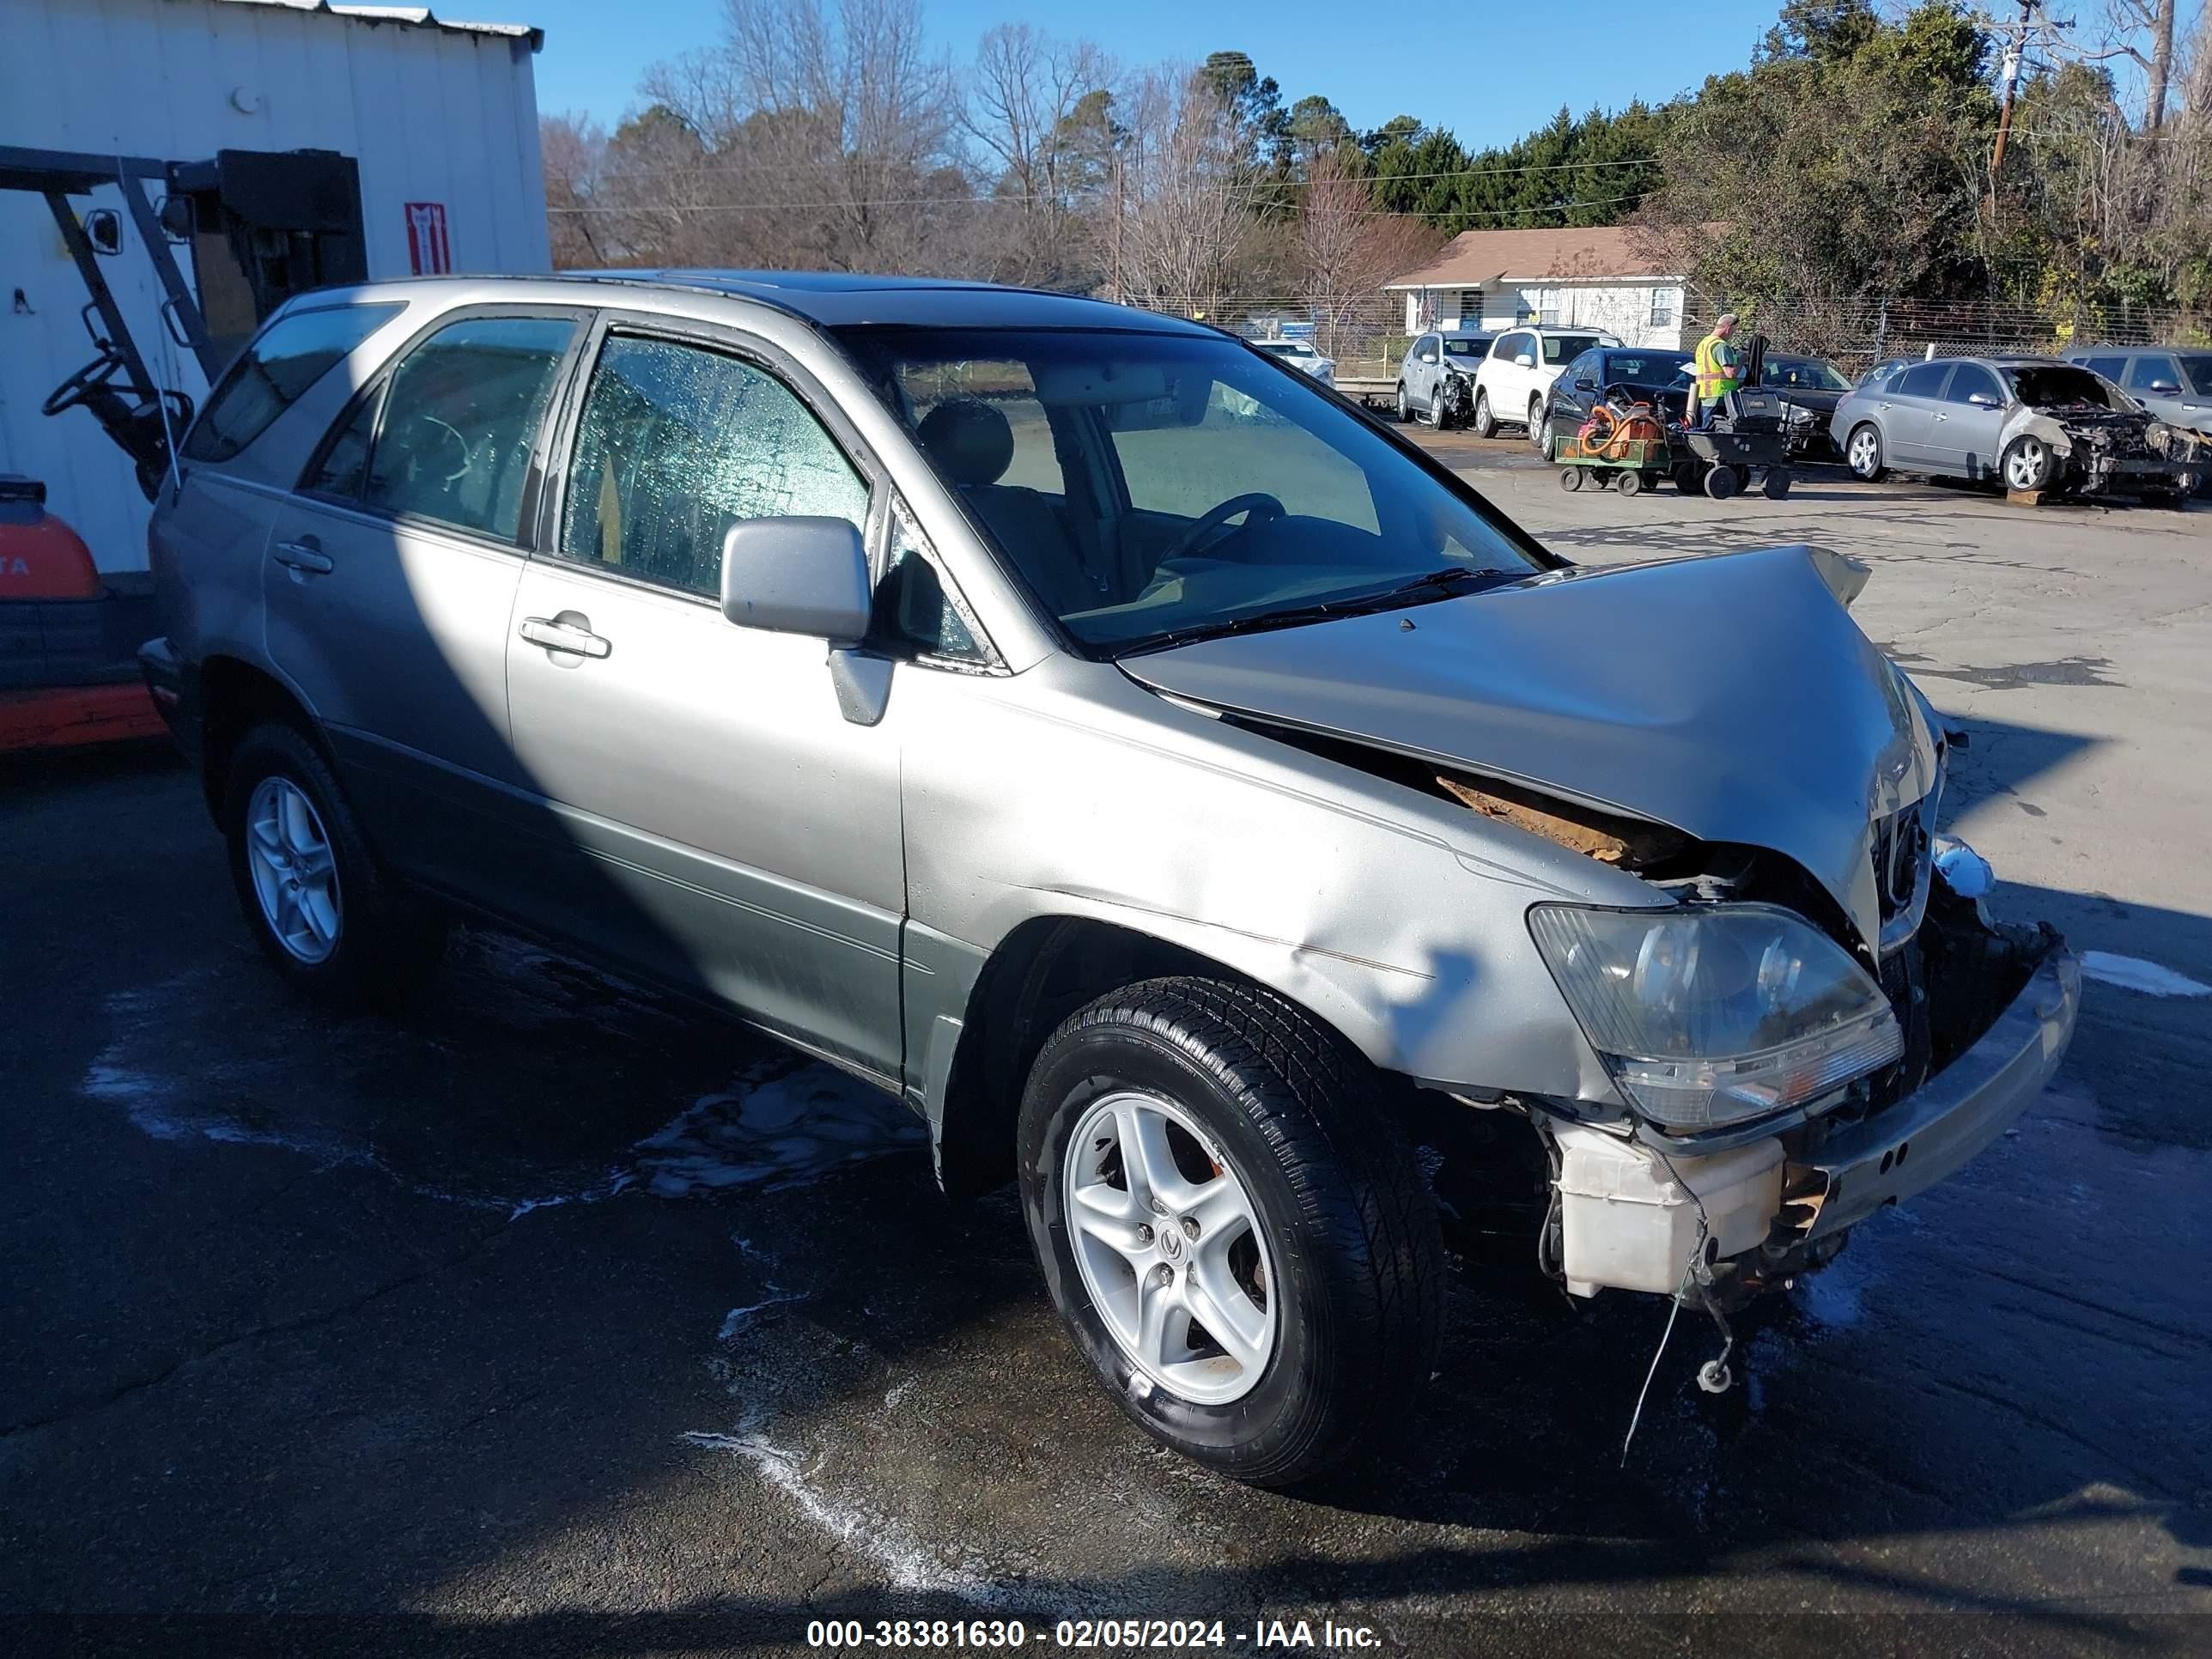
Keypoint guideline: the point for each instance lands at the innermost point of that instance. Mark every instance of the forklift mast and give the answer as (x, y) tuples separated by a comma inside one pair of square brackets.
[(262, 226)]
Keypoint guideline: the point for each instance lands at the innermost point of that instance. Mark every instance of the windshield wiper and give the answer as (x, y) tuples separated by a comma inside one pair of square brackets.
[(1444, 583)]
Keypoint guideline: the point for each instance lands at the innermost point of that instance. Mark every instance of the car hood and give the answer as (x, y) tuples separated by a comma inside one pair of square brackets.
[(1732, 697)]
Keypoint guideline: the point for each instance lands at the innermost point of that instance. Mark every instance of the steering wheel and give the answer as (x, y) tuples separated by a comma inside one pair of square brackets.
[(73, 391), (1262, 507)]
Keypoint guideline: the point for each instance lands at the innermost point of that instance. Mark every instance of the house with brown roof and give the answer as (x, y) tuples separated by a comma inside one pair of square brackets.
[(1596, 277)]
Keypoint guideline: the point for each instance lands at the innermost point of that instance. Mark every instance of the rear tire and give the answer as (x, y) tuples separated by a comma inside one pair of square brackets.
[(1721, 482), (1631, 484), (328, 917), (1485, 423), (1775, 486), (1571, 477), (1331, 1248)]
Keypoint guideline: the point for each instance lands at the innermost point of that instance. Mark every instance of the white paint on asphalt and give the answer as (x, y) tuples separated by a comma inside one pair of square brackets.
[(2134, 973), (739, 1319), (779, 1131), (889, 1543), (779, 1124)]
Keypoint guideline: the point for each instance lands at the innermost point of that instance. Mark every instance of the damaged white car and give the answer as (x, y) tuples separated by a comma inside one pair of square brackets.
[(1180, 790), (2034, 424)]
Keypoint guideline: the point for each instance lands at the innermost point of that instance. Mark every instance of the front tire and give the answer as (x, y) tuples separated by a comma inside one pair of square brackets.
[(1197, 1154), (2027, 465), (1485, 423), (324, 913), (1863, 453), (1405, 410)]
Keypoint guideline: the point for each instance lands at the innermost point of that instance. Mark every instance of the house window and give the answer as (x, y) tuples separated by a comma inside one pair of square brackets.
[(1548, 308), (1662, 308)]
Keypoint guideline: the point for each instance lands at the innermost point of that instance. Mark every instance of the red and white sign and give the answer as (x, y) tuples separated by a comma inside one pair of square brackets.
[(428, 251)]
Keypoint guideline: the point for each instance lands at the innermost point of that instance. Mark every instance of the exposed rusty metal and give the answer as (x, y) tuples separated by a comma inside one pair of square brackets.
[(1609, 841)]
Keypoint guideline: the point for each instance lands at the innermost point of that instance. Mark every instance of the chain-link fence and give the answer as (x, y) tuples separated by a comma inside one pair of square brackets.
[(1366, 335), (1857, 333)]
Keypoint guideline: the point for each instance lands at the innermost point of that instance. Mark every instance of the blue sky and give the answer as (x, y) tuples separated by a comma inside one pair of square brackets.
[(1514, 72)]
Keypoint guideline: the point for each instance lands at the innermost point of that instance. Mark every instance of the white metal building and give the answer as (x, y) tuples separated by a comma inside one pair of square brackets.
[(1588, 277), (440, 118)]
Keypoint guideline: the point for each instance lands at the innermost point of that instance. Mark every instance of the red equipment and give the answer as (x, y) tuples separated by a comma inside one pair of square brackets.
[(69, 669)]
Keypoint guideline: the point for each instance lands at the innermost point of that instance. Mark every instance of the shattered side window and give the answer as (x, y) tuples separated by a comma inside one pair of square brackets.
[(918, 605), (677, 444)]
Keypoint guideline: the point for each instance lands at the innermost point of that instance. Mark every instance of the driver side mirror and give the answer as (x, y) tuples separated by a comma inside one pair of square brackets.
[(798, 575), (1524, 361)]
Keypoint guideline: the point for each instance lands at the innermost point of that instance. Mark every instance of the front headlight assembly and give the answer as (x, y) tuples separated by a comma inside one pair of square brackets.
[(1716, 1015)]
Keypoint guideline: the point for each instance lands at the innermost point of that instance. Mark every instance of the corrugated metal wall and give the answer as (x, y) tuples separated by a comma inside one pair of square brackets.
[(430, 114)]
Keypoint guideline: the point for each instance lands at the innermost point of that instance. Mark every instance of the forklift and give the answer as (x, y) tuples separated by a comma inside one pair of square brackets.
[(258, 227)]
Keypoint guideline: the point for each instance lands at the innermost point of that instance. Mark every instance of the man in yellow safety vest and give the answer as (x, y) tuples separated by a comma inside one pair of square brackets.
[(1719, 370)]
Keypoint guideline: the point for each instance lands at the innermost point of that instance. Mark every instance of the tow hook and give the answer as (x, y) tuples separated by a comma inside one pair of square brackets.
[(1714, 1376)]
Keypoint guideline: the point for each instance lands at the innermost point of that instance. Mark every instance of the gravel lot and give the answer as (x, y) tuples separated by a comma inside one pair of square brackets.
[(554, 1316)]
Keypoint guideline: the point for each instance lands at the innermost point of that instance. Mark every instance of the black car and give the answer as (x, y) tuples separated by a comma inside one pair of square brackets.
[(1810, 388), (1659, 377)]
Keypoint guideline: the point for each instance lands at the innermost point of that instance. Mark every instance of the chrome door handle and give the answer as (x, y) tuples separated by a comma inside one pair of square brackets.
[(304, 555), (555, 635)]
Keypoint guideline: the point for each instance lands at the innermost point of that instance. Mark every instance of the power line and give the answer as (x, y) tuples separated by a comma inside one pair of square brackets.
[(704, 171), (1017, 201)]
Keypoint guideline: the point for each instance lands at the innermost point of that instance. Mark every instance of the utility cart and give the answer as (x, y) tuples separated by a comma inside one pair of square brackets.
[(1622, 443), (1746, 434)]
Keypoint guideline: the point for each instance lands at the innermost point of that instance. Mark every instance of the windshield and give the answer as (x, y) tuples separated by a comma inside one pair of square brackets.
[(1154, 487), (2197, 371), (2062, 385), (1565, 348), (1467, 345), (1807, 372)]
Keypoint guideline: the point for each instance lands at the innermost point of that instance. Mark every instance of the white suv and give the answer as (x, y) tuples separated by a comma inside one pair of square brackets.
[(1522, 364)]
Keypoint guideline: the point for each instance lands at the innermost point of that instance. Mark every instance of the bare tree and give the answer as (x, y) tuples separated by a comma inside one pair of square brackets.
[(1179, 225), (575, 150), (1346, 247), (827, 131), (1035, 108)]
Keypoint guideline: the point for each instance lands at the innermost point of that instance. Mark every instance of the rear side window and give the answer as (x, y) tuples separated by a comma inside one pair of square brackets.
[(459, 418), (1923, 379), (287, 357), (677, 444)]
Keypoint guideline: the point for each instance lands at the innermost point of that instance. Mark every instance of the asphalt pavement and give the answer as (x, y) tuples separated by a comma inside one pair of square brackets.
[(552, 1315)]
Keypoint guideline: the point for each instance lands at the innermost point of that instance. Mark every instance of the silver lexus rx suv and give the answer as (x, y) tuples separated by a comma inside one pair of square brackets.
[(1182, 791)]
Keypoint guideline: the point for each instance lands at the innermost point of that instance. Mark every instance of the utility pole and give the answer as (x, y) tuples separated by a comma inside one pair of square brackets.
[(2010, 75)]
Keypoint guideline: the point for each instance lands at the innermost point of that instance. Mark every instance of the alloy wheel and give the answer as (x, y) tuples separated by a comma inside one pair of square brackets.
[(1169, 1248), (288, 853), (2026, 464)]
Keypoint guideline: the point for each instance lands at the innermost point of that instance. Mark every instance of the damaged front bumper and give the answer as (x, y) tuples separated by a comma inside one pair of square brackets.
[(1669, 1220), (1930, 1133)]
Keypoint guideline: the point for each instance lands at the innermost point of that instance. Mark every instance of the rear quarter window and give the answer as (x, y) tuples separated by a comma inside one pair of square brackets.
[(272, 374)]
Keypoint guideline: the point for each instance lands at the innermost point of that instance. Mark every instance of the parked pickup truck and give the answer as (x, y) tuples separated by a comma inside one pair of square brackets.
[(1178, 788)]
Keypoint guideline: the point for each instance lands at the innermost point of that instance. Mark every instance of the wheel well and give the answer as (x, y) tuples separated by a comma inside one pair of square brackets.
[(235, 698), (1043, 971)]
